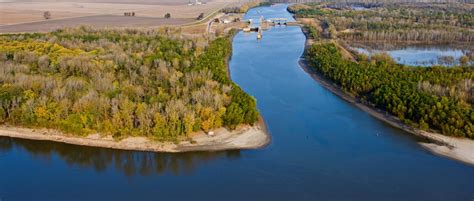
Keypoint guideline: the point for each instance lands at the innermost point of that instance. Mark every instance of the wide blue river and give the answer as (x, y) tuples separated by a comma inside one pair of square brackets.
[(322, 148)]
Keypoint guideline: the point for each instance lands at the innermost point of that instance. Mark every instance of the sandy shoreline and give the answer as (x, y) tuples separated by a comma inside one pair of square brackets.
[(459, 149), (244, 137)]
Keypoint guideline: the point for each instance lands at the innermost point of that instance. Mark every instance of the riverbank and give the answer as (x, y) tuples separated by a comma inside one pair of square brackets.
[(455, 148), (244, 137)]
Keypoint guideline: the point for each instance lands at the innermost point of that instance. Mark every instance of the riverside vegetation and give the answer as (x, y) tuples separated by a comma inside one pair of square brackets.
[(432, 98), (436, 97), (245, 7), (397, 22), (151, 83)]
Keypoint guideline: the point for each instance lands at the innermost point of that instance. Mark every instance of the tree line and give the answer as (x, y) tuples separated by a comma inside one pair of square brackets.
[(246, 6), (393, 22), (130, 82)]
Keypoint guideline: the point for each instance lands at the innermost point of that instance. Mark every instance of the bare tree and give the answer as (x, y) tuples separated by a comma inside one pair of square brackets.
[(200, 17), (47, 15)]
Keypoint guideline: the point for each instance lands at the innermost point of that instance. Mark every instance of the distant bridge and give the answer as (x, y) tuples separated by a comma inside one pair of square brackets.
[(281, 21), (265, 23), (278, 20)]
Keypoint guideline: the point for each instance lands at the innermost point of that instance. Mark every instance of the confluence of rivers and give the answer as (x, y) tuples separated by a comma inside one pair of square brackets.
[(322, 148)]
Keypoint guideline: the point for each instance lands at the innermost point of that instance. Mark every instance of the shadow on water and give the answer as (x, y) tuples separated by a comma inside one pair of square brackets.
[(130, 163)]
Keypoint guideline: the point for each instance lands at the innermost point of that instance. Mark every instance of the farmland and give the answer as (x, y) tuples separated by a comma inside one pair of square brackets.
[(28, 16)]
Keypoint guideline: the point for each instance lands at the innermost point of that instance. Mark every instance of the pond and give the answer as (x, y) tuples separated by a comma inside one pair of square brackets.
[(420, 55)]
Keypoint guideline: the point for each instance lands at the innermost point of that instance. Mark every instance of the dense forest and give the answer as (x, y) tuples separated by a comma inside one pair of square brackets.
[(430, 98), (427, 23), (152, 83)]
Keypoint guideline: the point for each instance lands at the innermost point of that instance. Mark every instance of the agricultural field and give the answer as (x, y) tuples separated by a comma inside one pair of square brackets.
[(29, 16), (95, 21)]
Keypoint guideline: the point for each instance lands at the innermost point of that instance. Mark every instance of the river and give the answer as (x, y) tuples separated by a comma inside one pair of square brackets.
[(322, 148)]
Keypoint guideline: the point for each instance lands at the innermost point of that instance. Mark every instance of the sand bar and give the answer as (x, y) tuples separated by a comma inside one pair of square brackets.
[(244, 137)]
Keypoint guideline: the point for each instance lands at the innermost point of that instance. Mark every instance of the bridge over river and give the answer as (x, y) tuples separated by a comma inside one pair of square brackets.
[(264, 24)]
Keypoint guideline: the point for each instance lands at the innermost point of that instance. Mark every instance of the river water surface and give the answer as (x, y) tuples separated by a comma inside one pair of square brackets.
[(322, 148)]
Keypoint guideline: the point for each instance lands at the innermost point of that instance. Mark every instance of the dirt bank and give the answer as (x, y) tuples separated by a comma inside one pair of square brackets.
[(244, 137), (455, 148)]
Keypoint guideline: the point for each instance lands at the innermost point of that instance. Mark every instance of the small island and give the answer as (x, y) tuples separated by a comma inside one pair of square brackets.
[(134, 89)]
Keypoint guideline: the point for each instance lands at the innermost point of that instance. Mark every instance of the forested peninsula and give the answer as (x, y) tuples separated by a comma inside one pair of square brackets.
[(426, 101), (408, 93), (150, 84)]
